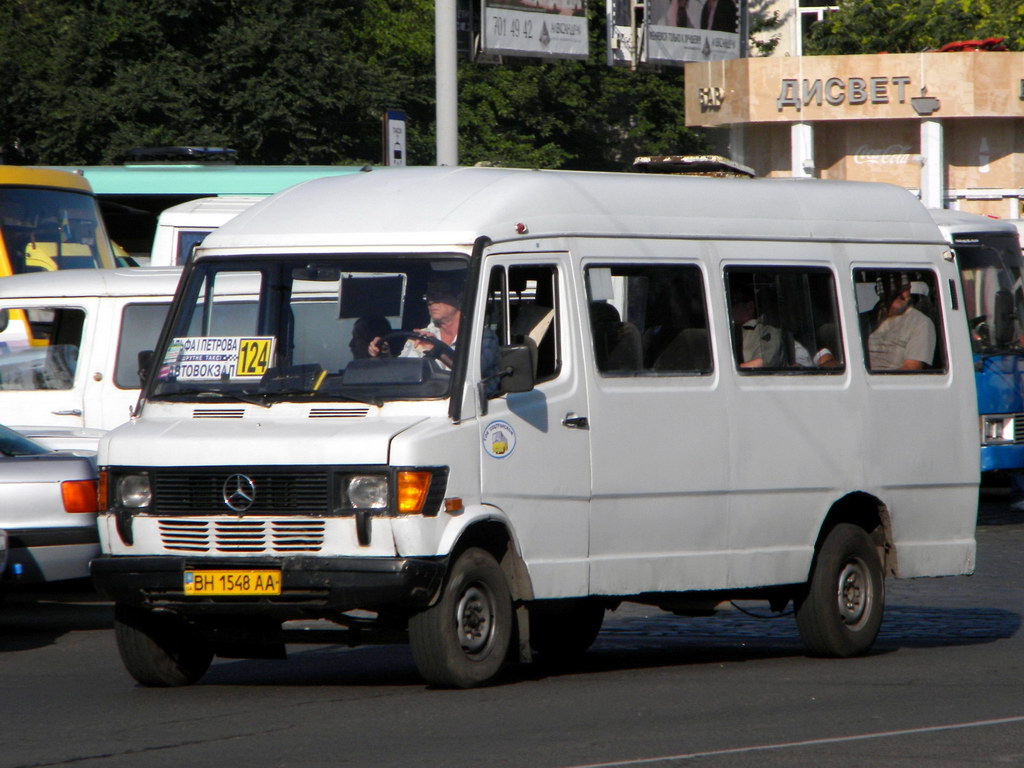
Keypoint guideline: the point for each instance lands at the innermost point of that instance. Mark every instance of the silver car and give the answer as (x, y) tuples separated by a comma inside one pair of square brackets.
[(48, 511)]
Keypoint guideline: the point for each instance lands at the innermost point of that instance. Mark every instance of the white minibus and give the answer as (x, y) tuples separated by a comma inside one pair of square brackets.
[(476, 408), (69, 348), (180, 228)]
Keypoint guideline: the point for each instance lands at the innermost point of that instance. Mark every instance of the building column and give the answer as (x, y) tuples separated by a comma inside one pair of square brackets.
[(933, 165), (801, 150), (738, 143)]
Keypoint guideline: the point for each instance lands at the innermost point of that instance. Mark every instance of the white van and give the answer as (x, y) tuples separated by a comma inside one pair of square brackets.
[(180, 228), (69, 348), (70, 344), (671, 391)]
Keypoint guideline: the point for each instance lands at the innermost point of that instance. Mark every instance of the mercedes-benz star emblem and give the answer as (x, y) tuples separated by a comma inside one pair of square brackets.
[(239, 493)]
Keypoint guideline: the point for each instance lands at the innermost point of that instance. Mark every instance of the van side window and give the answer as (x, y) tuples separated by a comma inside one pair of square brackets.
[(900, 320), (39, 348), (140, 329), (522, 308), (784, 320), (648, 319)]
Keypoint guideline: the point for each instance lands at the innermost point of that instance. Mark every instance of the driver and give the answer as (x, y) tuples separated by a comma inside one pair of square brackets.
[(443, 299)]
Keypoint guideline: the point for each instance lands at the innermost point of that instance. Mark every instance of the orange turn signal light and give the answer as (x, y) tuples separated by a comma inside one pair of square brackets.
[(80, 496), (412, 491)]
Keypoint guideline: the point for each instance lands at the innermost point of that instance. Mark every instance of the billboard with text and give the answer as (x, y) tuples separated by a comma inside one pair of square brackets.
[(540, 28), (673, 31)]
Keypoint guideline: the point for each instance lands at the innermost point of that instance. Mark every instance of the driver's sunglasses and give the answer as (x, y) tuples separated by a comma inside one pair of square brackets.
[(434, 298)]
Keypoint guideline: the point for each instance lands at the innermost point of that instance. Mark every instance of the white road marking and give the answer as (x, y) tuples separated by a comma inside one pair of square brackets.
[(808, 743)]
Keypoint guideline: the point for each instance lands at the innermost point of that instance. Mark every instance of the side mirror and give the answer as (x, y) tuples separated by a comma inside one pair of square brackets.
[(1003, 331), (5, 318), (516, 365), (145, 360)]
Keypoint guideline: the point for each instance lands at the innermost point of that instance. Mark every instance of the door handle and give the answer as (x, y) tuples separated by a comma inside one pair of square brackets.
[(71, 412), (572, 421)]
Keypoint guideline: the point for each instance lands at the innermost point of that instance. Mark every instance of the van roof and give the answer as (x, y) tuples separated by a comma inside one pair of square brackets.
[(207, 211), (455, 206), (65, 283), (960, 221), (27, 176)]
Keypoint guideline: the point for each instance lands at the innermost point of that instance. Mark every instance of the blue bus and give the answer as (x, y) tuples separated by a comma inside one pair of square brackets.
[(988, 254)]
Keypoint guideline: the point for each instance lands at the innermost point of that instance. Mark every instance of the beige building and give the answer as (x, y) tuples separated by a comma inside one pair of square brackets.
[(947, 126)]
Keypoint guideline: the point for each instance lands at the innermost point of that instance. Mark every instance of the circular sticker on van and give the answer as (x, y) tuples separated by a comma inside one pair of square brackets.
[(499, 439)]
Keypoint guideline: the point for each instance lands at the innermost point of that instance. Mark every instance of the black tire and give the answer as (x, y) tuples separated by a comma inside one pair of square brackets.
[(842, 610), (561, 630), (159, 651), (462, 640)]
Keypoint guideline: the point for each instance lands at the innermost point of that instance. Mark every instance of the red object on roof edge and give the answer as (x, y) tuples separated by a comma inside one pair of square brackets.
[(988, 44)]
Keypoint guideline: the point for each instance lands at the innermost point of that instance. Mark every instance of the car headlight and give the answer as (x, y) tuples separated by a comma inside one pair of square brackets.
[(366, 492), (134, 491)]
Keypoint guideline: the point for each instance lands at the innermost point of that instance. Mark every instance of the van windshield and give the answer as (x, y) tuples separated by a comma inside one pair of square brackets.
[(990, 270), (354, 328), (48, 229)]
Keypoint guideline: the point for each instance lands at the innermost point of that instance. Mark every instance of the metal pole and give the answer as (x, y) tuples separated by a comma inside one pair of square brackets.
[(446, 69)]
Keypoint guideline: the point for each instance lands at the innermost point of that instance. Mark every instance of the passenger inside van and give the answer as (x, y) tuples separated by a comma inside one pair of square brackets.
[(762, 345), (364, 331), (618, 346), (904, 337)]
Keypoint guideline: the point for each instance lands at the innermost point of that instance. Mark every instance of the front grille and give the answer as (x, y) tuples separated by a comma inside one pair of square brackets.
[(185, 491), (242, 536), (1018, 428)]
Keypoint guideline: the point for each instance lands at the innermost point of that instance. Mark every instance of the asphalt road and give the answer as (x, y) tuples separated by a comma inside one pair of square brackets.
[(944, 686)]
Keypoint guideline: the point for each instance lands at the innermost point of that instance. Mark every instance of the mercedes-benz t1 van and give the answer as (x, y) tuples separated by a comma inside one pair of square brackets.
[(476, 408)]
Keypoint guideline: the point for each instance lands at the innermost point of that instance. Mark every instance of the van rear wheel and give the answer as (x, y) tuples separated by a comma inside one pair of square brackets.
[(842, 610), (159, 651), (462, 640)]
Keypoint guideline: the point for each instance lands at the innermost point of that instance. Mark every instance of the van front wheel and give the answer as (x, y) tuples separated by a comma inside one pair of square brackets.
[(159, 651), (842, 610), (462, 640)]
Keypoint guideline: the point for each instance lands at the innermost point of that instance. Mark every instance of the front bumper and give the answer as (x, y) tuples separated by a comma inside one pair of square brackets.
[(310, 586)]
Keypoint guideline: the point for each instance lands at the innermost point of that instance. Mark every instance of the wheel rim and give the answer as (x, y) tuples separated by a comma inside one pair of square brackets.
[(854, 593), (476, 620)]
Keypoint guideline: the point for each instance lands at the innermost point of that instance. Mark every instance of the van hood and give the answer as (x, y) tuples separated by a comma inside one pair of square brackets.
[(252, 441)]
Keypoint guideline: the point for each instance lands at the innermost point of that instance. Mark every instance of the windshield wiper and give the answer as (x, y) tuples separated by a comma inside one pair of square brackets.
[(376, 402), (245, 397)]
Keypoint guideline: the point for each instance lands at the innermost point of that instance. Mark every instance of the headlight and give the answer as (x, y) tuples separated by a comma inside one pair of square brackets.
[(367, 492), (134, 492)]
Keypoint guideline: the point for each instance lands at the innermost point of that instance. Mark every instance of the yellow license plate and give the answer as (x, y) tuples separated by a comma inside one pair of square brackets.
[(228, 583)]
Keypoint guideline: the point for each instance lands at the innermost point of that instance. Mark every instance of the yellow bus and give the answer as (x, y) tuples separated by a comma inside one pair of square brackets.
[(49, 220)]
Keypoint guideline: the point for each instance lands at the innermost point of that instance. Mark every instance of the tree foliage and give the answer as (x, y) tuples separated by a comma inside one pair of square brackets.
[(910, 26), (305, 81)]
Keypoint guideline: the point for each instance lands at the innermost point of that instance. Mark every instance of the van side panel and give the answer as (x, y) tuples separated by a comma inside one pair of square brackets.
[(724, 481)]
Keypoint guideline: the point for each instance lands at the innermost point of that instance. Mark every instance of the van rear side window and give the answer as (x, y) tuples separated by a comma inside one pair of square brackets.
[(39, 348), (784, 320), (648, 320), (900, 320)]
